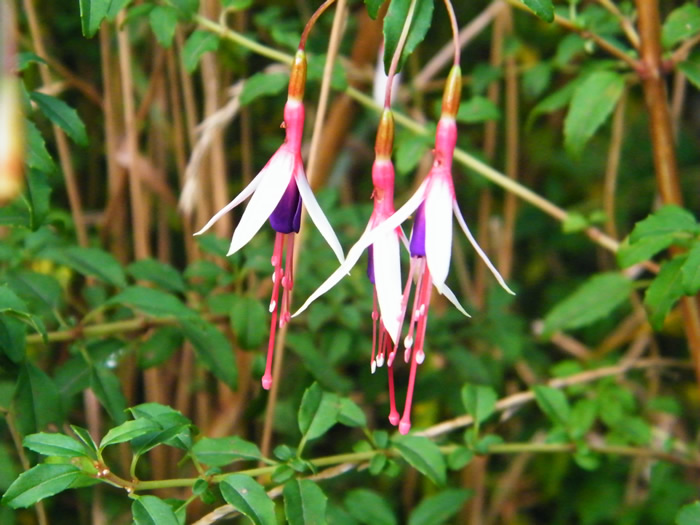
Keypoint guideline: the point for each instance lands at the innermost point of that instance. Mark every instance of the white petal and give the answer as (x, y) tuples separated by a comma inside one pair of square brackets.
[(449, 294), (438, 231), (316, 213), (478, 249), (387, 278), (273, 183), (367, 238), (243, 195)]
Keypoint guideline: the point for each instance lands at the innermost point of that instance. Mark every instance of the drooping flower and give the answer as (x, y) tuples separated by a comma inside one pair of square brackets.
[(277, 194), (384, 265)]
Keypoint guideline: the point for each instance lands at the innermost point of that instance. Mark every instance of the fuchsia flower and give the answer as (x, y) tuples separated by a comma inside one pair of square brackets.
[(277, 195), (434, 204)]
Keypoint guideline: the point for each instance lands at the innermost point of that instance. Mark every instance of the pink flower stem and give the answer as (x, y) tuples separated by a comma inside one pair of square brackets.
[(393, 413), (375, 318), (287, 280), (404, 305)]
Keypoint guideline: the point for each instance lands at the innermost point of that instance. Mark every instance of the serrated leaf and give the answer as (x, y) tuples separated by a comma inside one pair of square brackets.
[(198, 43), (151, 302), (477, 109), (248, 322), (160, 273), (92, 13), (127, 431), (682, 23), (691, 271), (423, 455), (13, 339), (664, 291), (369, 508), (37, 155), (40, 482), (689, 514), (218, 452), (318, 412), (668, 220), (553, 403), (480, 401), (163, 21), (642, 250), (36, 400), (107, 389), (592, 103), (542, 8), (263, 85), (439, 508), (213, 349), (591, 301), (85, 437), (249, 498), (54, 445), (167, 419), (62, 115), (304, 503), (393, 26), (373, 7), (88, 261), (186, 7), (150, 510)]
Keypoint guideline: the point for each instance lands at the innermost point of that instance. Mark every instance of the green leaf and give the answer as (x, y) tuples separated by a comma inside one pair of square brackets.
[(439, 508), (25, 58), (691, 69), (127, 431), (689, 514), (691, 271), (85, 437), (36, 400), (218, 452), (107, 389), (164, 342), (423, 455), (263, 85), (536, 79), (480, 401), (13, 339), (249, 322), (37, 155), (163, 21), (54, 445), (198, 43), (150, 510), (237, 5), (642, 250), (40, 482), (393, 26), (409, 150), (162, 274), (92, 12), (39, 193), (186, 7), (174, 426), (668, 220), (557, 100), (592, 103), (304, 503), (373, 7), (62, 115), (664, 291), (152, 302), (583, 415), (213, 349), (591, 301), (682, 23), (477, 109), (553, 403), (542, 8), (13, 307), (459, 458), (249, 498), (88, 261), (350, 414), (318, 412), (369, 508)]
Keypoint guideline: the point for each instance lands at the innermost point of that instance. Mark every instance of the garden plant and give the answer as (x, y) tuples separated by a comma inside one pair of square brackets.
[(349, 262)]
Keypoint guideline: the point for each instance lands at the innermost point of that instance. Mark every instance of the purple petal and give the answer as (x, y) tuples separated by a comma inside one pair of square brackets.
[(417, 246), (370, 264), (286, 217)]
